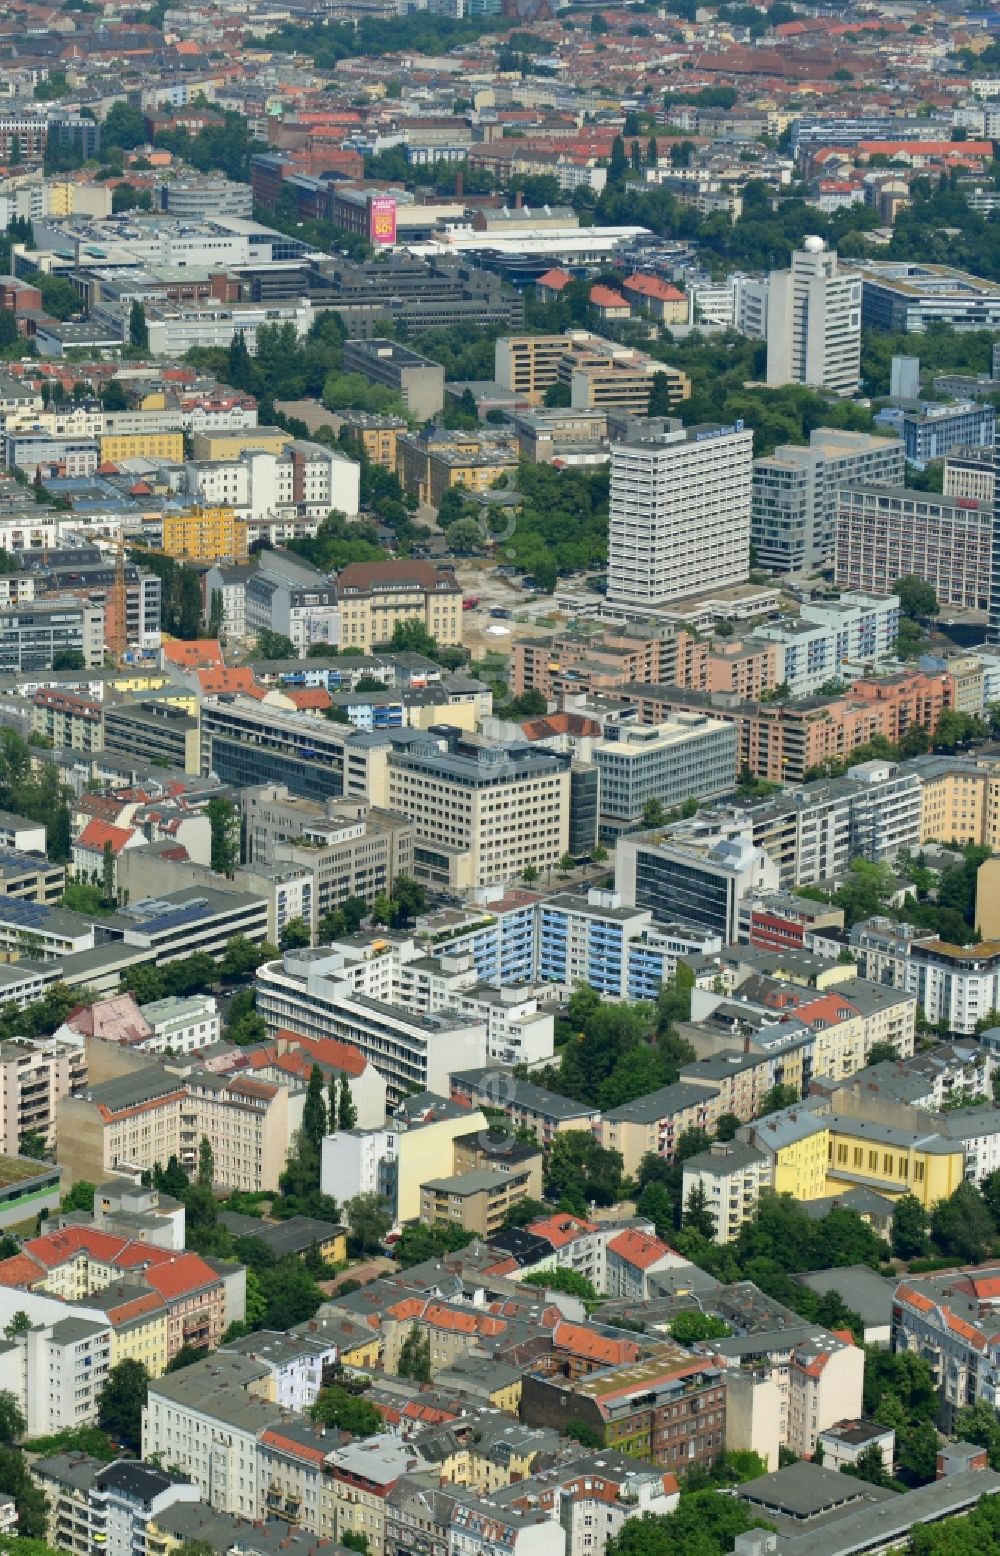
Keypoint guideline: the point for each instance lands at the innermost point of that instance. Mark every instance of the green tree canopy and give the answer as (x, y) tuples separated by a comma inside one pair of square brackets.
[(348, 1412), (119, 1409)]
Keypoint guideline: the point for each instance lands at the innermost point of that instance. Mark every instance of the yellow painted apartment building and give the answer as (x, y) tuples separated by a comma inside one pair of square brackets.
[(816, 1155), (425, 1152), (374, 596), (230, 445), (430, 463), (137, 1317), (205, 535), (116, 446), (139, 1333), (377, 435), (960, 801)]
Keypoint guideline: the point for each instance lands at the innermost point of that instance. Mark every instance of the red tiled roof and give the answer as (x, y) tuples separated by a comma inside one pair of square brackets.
[(306, 697), (652, 286), (223, 680), (188, 1272), (607, 297), (98, 835), (430, 1415), (561, 1229), (586, 1342), (20, 1270), (638, 1248), (559, 724), (461, 1322), (407, 1307), (193, 656), (275, 1439), (364, 575), (325, 1050), (503, 1267), (55, 1248), (136, 1307), (554, 280)]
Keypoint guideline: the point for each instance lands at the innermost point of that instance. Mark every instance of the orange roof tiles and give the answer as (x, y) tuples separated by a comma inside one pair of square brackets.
[(915, 1298), (593, 1346), (652, 286), (430, 1415), (607, 297), (57, 1247), (187, 1273), (459, 1322), (550, 724), (276, 1439), (307, 697), (638, 1249), (193, 656), (326, 1050), (137, 1307), (224, 680), (960, 1327), (98, 835), (408, 1307), (503, 1267), (561, 1229), (554, 280), (20, 1270)]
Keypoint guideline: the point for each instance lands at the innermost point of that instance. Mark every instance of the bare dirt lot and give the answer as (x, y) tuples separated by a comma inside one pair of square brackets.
[(534, 615)]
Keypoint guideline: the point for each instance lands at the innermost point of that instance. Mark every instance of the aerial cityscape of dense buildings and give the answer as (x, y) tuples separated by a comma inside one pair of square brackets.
[(500, 778)]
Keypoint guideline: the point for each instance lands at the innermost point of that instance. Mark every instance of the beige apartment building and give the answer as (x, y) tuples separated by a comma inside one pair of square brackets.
[(350, 848), (146, 1116), (598, 378), (597, 372), (374, 596), (657, 1121), (481, 814), (527, 365), (231, 444), (377, 434), (960, 801), (785, 1387), (36, 1074), (475, 1201), (71, 722), (431, 462)]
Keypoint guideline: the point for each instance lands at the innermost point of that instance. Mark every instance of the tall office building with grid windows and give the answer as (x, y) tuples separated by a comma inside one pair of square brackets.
[(680, 514), (814, 322), (993, 630)]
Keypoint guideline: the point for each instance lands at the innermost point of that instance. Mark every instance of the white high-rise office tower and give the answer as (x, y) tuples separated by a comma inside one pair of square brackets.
[(814, 322), (680, 514)]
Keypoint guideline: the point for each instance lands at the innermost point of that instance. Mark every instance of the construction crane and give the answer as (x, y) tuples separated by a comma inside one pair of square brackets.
[(117, 636)]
